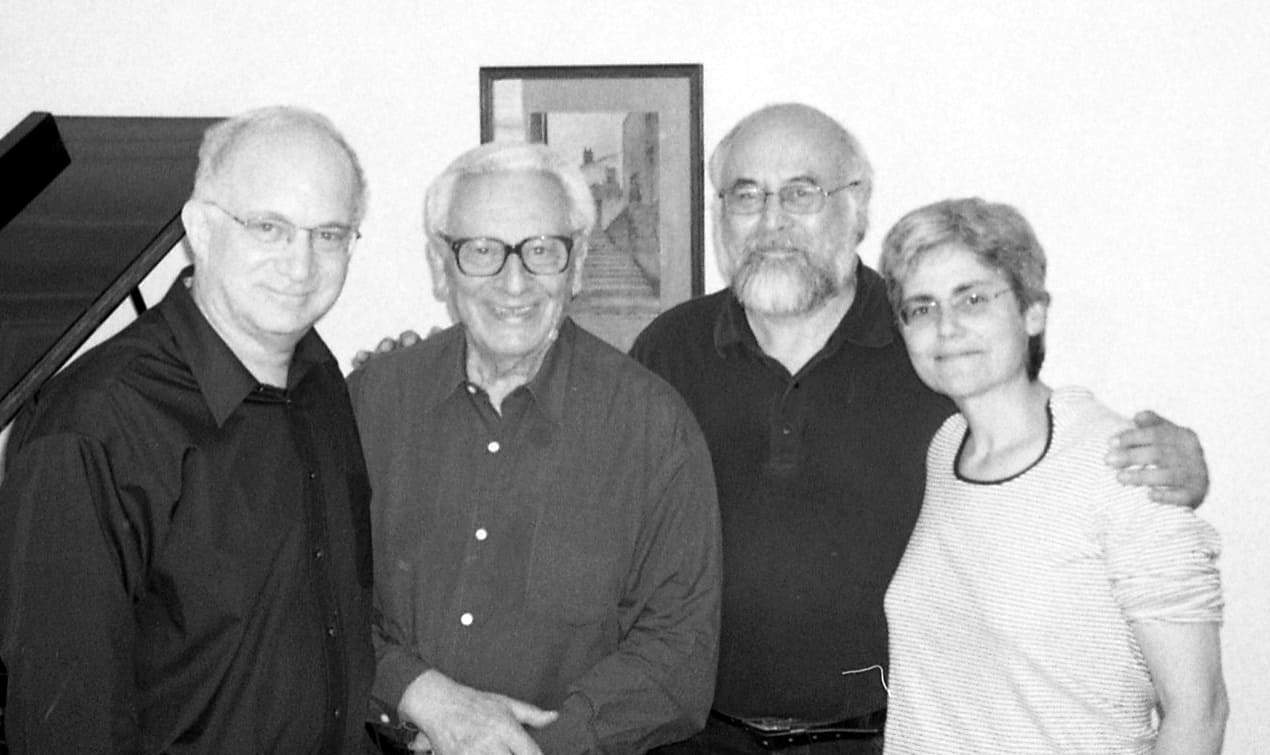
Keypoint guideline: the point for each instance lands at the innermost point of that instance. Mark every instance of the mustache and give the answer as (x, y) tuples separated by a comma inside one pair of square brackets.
[(766, 244)]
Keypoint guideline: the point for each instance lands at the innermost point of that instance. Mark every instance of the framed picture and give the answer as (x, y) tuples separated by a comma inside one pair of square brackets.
[(635, 132)]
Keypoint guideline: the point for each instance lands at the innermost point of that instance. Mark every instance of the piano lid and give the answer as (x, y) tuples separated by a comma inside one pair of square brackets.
[(88, 206)]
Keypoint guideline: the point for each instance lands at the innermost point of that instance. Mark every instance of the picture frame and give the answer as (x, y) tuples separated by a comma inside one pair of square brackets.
[(635, 131)]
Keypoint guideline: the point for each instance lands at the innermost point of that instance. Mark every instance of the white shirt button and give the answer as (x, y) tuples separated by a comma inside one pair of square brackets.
[(493, 447), (471, 389), (383, 718), (466, 619), (481, 534)]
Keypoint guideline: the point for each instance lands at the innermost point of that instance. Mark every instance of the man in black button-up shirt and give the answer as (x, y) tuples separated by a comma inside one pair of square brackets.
[(183, 522)]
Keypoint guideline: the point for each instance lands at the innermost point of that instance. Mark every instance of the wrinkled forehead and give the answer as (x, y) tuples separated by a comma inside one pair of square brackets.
[(774, 152), (509, 205)]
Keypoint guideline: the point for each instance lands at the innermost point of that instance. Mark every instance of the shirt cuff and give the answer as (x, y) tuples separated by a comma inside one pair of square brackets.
[(572, 732), (394, 671)]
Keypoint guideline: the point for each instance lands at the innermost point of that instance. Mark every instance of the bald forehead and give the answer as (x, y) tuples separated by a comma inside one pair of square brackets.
[(295, 171), (791, 142), (276, 146)]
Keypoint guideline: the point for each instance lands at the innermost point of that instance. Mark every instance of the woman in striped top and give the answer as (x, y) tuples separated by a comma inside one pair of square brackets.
[(1040, 606)]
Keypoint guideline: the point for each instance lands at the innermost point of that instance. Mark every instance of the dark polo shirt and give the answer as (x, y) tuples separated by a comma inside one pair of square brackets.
[(820, 479)]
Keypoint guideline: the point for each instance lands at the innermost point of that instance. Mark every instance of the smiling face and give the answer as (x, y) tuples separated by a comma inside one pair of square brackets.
[(265, 298), (966, 355), (510, 318), (776, 261)]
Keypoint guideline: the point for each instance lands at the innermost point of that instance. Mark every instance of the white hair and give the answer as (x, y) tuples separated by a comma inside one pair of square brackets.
[(509, 157)]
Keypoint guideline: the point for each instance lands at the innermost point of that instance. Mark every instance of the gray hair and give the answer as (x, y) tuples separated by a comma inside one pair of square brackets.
[(852, 164), (509, 157), (997, 234), (222, 138)]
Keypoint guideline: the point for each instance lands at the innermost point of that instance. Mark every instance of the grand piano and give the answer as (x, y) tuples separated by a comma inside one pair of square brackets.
[(88, 207)]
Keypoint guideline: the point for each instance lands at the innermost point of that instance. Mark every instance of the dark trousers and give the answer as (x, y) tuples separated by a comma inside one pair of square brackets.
[(720, 737)]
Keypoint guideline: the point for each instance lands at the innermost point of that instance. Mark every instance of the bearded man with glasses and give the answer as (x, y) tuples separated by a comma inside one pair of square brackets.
[(184, 517), (818, 428), (545, 526)]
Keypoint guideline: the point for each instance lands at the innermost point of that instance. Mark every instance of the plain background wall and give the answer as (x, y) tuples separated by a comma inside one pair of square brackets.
[(1134, 136)]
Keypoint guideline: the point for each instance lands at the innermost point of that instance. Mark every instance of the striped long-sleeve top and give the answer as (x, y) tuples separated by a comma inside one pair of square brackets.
[(1010, 614)]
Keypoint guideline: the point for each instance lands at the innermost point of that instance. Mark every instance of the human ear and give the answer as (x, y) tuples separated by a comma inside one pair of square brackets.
[(436, 265), (1034, 317), (575, 269), (197, 230)]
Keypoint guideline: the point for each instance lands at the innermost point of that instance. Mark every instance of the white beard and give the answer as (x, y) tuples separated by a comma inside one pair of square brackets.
[(782, 286)]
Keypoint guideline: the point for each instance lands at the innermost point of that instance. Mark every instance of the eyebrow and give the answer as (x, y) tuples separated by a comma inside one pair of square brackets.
[(272, 215), (804, 177), (961, 289)]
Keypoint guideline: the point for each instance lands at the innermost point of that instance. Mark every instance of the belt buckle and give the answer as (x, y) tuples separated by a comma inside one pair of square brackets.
[(773, 733)]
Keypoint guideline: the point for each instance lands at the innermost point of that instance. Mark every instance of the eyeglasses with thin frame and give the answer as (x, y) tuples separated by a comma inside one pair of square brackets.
[(799, 197), (927, 311), (275, 231), (483, 256)]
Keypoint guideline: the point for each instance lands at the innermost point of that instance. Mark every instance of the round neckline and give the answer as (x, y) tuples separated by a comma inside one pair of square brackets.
[(965, 437)]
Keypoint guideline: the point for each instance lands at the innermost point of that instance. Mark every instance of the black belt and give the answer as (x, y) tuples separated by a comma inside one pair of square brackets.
[(779, 733)]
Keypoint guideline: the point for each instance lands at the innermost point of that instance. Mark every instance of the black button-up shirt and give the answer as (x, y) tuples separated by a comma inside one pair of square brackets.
[(565, 552), (820, 479), (186, 552)]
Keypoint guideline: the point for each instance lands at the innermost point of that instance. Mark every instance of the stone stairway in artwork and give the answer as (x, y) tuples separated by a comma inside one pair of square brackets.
[(610, 278)]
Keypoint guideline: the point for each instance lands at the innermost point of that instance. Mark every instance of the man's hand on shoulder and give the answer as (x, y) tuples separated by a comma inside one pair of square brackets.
[(387, 345), (459, 720), (1164, 456)]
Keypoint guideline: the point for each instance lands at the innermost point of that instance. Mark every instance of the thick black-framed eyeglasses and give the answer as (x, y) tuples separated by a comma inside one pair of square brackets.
[(483, 256)]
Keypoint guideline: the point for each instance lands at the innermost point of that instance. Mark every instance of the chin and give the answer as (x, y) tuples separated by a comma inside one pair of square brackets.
[(960, 386), (516, 340)]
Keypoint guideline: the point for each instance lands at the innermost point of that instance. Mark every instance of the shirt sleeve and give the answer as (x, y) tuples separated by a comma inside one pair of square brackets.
[(396, 662), (71, 558), (396, 666), (658, 685), (1161, 560)]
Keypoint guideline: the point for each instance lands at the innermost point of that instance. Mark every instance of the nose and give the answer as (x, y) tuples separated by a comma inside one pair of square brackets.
[(514, 276), (773, 216), (296, 261), (948, 322)]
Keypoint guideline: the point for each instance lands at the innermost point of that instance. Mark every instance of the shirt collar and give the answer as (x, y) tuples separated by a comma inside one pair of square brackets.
[(221, 377), (548, 387), (868, 322)]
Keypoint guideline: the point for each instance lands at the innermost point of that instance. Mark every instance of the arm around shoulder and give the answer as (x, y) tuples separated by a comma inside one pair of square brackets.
[(1163, 456)]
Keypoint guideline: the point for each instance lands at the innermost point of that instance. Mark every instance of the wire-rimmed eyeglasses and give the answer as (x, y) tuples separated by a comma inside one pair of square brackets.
[(277, 231), (800, 197), (926, 311)]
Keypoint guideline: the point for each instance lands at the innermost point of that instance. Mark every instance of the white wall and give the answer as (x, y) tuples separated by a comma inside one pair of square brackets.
[(1134, 137)]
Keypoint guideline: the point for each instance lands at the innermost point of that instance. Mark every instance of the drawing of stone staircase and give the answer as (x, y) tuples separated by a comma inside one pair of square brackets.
[(612, 280)]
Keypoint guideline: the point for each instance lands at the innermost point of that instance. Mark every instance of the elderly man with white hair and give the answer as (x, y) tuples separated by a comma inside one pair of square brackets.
[(545, 526)]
